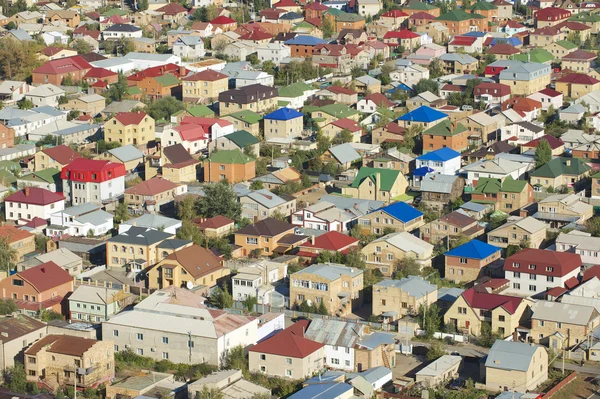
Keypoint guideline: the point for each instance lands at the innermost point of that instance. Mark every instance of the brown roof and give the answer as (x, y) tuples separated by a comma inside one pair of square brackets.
[(62, 344), (45, 276), (154, 186), (215, 222), (178, 155), (62, 154), (14, 327), (196, 260), (207, 75), (268, 227), (458, 219), (13, 234)]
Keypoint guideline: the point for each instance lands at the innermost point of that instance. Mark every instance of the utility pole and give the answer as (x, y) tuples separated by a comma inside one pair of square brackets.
[(75, 380)]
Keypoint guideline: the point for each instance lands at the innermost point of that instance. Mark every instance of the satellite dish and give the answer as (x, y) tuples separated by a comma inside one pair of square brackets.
[(189, 285), (309, 302)]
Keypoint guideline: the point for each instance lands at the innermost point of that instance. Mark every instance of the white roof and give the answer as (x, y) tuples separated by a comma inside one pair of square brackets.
[(440, 366), (46, 90), (564, 313), (408, 243), (96, 295), (579, 240)]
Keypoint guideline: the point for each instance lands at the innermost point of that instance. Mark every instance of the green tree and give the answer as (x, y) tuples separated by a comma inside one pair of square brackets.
[(11, 26), (354, 258), (121, 212), (81, 46), (235, 359), (487, 337), (257, 185), (249, 303), (142, 5), (19, 59), (357, 72), (435, 69), (8, 255), (430, 85), (186, 209), (435, 351), (543, 153), (49, 140), (219, 199), (102, 146), (49, 315), (117, 91), (327, 28), (164, 107), (209, 393), (221, 297), (592, 226), (126, 46), (25, 103), (40, 243), (63, 100), (7, 306), (430, 319), (345, 136), (15, 379), (109, 46), (322, 308), (407, 266)]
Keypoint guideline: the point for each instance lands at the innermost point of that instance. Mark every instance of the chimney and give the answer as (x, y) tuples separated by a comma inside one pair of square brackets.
[(43, 269), (27, 191), (312, 239), (355, 206)]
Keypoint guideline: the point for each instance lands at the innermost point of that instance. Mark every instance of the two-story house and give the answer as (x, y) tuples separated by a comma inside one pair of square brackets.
[(562, 209), (398, 216), (394, 299), (266, 237), (519, 231), (376, 184), (466, 263), (506, 195), (385, 252), (451, 227), (135, 128)]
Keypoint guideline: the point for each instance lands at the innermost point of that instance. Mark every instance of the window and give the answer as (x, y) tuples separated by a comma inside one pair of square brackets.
[(558, 325), (165, 340), (17, 282), (335, 361), (252, 240), (165, 355), (288, 373), (541, 323), (288, 360), (501, 318), (463, 260), (550, 279), (517, 274), (516, 286), (115, 333), (263, 357), (263, 369), (532, 276), (140, 337), (347, 363)]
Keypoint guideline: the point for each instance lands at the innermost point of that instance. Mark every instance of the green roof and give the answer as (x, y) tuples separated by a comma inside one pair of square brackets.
[(303, 24), (6, 177), (334, 11), (201, 111), (347, 17), (134, 90), (562, 166), (538, 55), (340, 111), (49, 175), (243, 138), (484, 6), (247, 116), (444, 128), (230, 157), (585, 17), (487, 185), (566, 44), (596, 176), (388, 177), (114, 11), (458, 15), (419, 5), (167, 80), (294, 90)]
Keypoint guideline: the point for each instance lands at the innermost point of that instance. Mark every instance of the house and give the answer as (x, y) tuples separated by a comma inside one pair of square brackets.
[(450, 227), (572, 114), (153, 222), (563, 209), (376, 184), (562, 325), (337, 286), (274, 52), (473, 308), (91, 104), (339, 94), (422, 116), (446, 134), (68, 17), (45, 94), (398, 216), (394, 299), (190, 135), (497, 168), (129, 128), (80, 220), (551, 16), (335, 129), (122, 31), (404, 38), (296, 94), (23, 242), (580, 243), (246, 120), (178, 318), (439, 372), (332, 241), (458, 63), (323, 216), (579, 61), (180, 269), (54, 157), (285, 123), (32, 202), (559, 172), (19, 332), (342, 155), (48, 179), (438, 191), (383, 253), (515, 365), (288, 354), (507, 195), (12, 91), (88, 180), (96, 304), (38, 288), (47, 359), (372, 102), (128, 155), (217, 226), (231, 165), (229, 382), (523, 77), (425, 98), (280, 177), (522, 132), (189, 47), (146, 382), (266, 237), (256, 98), (491, 93), (205, 85), (467, 262), (214, 128), (444, 160), (366, 84), (239, 140), (153, 194), (517, 231), (175, 163), (577, 84), (549, 98), (262, 204)]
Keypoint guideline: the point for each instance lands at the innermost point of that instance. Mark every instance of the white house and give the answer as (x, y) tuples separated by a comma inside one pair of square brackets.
[(524, 132), (46, 94), (27, 121), (152, 221), (572, 114), (143, 61), (95, 181), (323, 216), (409, 73), (191, 47), (581, 243), (497, 168), (274, 52), (247, 78), (121, 31), (591, 100), (550, 98), (372, 102), (51, 38), (32, 202), (79, 221), (296, 94), (193, 138), (258, 280), (532, 271), (445, 161), (12, 91)]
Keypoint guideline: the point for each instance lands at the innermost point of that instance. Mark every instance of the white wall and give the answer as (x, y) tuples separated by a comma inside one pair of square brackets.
[(541, 282), (244, 336), (29, 211), (343, 355), (449, 167)]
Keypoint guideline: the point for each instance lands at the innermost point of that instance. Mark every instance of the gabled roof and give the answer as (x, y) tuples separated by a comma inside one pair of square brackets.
[(511, 355), (545, 262), (46, 276), (402, 34), (331, 241), (578, 78), (223, 20), (289, 342), (442, 155), (423, 114), (474, 249), (152, 187), (485, 301), (562, 166), (580, 55), (552, 14), (130, 118), (230, 157), (503, 49), (402, 211), (305, 40), (387, 176), (268, 227), (215, 222), (553, 141), (196, 260), (208, 75), (35, 196), (62, 154), (462, 41)]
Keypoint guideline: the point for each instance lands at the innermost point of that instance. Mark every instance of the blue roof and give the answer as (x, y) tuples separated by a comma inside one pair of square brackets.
[(423, 114), (474, 249), (284, 114), (423, 171), (515, 41), (323, 391), (305, 40), (443, 154), (402, 211), (475, 34)]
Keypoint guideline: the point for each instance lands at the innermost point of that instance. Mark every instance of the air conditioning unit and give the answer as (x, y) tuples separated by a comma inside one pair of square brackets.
[(152, 349), (127, 346)]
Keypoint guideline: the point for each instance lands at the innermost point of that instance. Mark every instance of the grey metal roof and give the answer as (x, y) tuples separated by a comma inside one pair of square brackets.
[(457, 57), (95, 218), (21, 35), (374, 374), (344, 153), (449, 294), (330, 271), (80, 209), (334, 332), (510, 355), (564, 313), (440, 366), (173, 243), (149, 221), (140, 236), (126, 153), (266, 198), (358, 207), (474, 206), (438, 183), (368, 80), (376, 339), (573, 109), (414, 286), (120, 106)]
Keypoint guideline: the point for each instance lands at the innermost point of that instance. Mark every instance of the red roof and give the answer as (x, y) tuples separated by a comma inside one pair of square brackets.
[(206, 123), (151, 187), (207, 75), (92, 170), (552, 14), (578, 78), (45, 277), (331, 241), (317, 6), (35, 196), (63, 65), (256, 34), (191, 132), (289, 343), (521, 104), (379, 99), (590, 273), (550, 92), (556, 292), (394, 14), (553, 141), (99, 73), (156, 71), (100, 83), (462, 41), (285, 3), (215, 222), (572, 283), (50, 51), (62, 154), (503, 49), (402, 34), (543, 262), (223, 20), (573, 25), (172, 9), (485, 301), (340, 90), (130, 118), (514, 24), (36, 222), (450, 87), (580, 55), (546, 31), (422, 15), (495, 89), (346, 123), (12, 234)]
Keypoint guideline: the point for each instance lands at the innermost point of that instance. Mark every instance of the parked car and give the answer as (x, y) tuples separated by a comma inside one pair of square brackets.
[(458, 384)]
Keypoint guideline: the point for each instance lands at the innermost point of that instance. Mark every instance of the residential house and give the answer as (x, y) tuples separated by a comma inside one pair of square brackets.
[(262, 204), (391, 159), (439, 191), (525, 365), (231, 165), (581, 243), (451, 227), (217, 226), (45, 94), (366, 84), (97, 304), (135, 128), (32, 202), (446, 134), (491, 93), (444, 160), (398, 216), (442, 370), (151, 221), (458, 63), (572, 114), (181, 269), (559, 172), (189, 47), (91, 104), (190, 135), (128, 155), (425, 98), (296, 94), (274, 52), (175, 163), (562, 325), (135, 248), (266, 237), (422, 116), (23, 242), (323, 216), (335, 129), (473, 308), (280, 177), (342, 155), (19, 332), (551, 16), (339, 94), (68, 17), (563, 209), (466, 263), (153, 194), (506, 195), (525, 77), (522, 132), (303, 45), (256, 98), (549, 98), (575, 85), (372, 102), (338, 287), (285, 123), (89, 180), (383, 253), (122, 31), (331, 242), (80, 221), (239, 140), (376, 184), (38, 288), (579, 61), (517, 231), (246, 120), (394, 299)]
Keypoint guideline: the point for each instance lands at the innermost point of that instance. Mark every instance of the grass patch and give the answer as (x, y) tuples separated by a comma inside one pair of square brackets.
[(409, 195)]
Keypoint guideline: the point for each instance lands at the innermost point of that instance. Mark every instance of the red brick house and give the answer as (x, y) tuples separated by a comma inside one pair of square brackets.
[(332, 241), (55, 71)]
